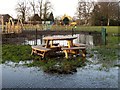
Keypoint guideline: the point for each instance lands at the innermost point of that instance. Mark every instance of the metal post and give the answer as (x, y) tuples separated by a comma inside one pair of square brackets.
[(2, 24), (41, 39), (36, 36), (103, 33), (72, 31), (118, 14)]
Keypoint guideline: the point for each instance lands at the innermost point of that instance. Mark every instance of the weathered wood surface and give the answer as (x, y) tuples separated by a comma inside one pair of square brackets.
[(74, 50), (80, 45), (59, 38), (40, 50)]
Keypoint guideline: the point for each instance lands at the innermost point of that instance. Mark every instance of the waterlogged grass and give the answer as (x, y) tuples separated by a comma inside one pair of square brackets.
[(110, 50), (61, 65), (108, 53), (16, 53), (113, 41)]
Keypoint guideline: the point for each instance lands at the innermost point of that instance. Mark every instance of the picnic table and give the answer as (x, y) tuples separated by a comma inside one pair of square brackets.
[(49, 46), (49, 40)]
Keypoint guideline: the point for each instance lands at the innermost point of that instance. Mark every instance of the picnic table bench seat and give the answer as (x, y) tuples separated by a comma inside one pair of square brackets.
[(80, 45), (43, 51), (40, 50), (74, 50)]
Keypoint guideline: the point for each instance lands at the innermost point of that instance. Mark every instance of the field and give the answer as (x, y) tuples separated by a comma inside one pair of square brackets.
[(110, 29)]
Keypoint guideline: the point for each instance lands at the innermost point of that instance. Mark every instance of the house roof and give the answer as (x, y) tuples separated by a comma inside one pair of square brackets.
[(36, 17), (65, 15), (5, 17)]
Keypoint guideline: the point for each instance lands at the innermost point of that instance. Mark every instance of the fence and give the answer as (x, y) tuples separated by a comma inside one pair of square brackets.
[(34, 37)]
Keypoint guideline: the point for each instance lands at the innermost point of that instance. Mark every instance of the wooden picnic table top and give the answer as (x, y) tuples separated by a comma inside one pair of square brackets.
[(59, 38)]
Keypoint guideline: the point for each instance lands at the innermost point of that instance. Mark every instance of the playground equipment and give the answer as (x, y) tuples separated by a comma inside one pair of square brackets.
[(12, 26)]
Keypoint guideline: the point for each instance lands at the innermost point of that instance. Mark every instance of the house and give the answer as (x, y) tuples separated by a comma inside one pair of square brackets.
[(34, 20), (5, 18)]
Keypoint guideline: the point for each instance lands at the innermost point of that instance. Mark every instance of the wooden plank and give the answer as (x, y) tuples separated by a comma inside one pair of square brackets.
[(73, 48), (80, 44), (40, 48), (59, 38)]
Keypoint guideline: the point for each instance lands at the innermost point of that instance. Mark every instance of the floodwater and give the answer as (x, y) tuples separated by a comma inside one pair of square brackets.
[(92, 75), (81, 38)]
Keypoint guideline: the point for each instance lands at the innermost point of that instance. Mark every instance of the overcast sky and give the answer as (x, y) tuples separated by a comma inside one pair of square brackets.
[(7, 7), (60, 7)]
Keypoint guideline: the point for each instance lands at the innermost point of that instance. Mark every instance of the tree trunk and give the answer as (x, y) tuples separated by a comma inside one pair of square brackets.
[(108, 22)]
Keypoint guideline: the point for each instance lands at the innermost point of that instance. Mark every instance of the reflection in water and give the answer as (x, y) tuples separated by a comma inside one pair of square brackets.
[(82, 38)]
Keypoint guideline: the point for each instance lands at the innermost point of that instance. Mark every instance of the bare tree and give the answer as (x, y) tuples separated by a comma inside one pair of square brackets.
[(84, 10), (46, 9), (32, 3), (40, 2), (21, 8)]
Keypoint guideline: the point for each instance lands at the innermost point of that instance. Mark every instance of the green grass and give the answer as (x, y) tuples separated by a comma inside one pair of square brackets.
[(16, 53), (110, 29), (107, 53)]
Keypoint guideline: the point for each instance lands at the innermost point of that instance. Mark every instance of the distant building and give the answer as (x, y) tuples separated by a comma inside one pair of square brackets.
[(68, 20), (65, 15), (5, 18), (35, 19)]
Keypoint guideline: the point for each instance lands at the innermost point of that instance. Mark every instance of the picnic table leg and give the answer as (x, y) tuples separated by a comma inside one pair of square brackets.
[(32, 52), (51, 43), (66, 54), (70, 43), (47, 43), (43, 55), (84, 53)]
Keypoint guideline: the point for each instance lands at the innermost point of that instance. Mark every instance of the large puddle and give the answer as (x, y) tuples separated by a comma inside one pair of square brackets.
[(93, 75)]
